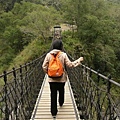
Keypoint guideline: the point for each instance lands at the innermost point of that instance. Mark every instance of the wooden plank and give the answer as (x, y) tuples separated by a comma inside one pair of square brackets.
[(55, 119), (58, 116)]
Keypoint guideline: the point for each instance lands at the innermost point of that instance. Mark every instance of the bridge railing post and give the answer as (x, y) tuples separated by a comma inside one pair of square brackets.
[(5, 92), (32, 83), (91, 96), (29, 82), (21, 85), (15, 90), (108, 93), (26, 87), (85, 85), (98, 97)]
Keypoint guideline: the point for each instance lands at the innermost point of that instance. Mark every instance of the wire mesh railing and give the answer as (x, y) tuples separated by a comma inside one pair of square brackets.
[(19, 91), (97, 97)]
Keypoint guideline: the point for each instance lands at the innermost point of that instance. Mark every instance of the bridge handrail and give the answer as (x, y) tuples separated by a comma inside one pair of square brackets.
[(22, 66), (99, 74), (97, 96), (20, 89)]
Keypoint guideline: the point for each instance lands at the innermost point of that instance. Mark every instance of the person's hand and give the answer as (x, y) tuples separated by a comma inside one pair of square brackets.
[(80, 59), (77, 62)]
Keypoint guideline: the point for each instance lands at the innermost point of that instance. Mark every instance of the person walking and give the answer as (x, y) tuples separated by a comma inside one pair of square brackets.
[(57, 83)]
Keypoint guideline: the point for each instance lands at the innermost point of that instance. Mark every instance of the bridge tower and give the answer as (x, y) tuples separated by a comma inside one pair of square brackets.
[(57, 32)]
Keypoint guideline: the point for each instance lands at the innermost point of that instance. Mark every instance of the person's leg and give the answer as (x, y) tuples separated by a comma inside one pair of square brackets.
[(53, 98), (61, 93)]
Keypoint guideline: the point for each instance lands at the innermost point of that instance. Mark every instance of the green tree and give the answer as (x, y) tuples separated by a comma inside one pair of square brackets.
[(39, 21), (23, 24), (98, 30)]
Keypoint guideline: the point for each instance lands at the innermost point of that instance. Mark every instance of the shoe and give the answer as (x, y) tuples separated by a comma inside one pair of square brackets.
[(54, 116), (61, 105)]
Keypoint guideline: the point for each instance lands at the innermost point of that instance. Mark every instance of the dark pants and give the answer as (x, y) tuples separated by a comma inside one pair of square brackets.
[(54, 87)]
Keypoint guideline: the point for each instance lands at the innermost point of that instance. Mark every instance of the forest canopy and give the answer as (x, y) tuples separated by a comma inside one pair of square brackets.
[(25, 23)]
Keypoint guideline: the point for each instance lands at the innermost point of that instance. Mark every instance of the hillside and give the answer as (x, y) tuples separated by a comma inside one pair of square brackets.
[(34, 50), (20, 27), (25, 31)]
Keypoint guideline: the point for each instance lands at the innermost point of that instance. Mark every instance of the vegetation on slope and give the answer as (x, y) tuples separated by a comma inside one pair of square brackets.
[(97, 36), (22, 25), (34, 50)]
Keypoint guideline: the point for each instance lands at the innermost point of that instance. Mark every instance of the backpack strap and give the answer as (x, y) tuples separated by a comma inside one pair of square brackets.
[(58, 53), (58, 58)]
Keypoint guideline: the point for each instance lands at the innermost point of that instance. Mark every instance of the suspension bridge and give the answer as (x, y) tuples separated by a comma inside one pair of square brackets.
[(89, 95)]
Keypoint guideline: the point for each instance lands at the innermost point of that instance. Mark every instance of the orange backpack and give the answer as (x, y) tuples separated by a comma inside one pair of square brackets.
[(55, 67)]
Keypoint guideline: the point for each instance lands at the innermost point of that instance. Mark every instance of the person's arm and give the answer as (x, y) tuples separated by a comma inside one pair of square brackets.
[(78, 61), (74, 63), (45, 64)]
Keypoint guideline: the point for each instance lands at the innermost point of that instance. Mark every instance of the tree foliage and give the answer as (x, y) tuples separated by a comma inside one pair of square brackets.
[(98, 29), (20, 26), (95, 29)]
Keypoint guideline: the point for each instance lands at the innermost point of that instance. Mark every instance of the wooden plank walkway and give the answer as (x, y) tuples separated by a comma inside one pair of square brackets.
[(42, 108)]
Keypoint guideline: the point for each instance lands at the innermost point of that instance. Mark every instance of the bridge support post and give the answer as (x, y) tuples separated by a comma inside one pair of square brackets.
[(26, 89), (98, 97), (108, 91), (5, 92), (84, 111), (21, 81), (15, 100)]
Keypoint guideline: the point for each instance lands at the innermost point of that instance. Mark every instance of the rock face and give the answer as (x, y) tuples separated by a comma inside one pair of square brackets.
[(66, 27)]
